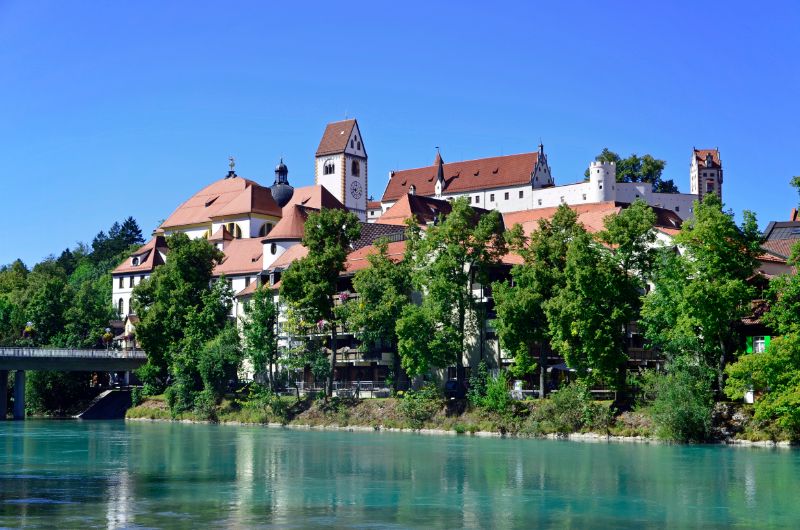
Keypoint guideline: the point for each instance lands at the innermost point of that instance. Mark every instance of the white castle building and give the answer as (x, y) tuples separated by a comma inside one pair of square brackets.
[(259, 228)]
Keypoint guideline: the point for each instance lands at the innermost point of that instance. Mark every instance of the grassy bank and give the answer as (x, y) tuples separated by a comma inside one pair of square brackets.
[(525, 418)]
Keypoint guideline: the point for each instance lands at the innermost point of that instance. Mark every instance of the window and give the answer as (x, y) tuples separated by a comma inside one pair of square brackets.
[(142, 278), (709, 187), (540, 202), (135, 260), (121, 306), (506, 196), (359, 145), (265, 229), (273, 248), (247, 281), (521, 194), (469, 200), (234, 230), (759, 344), (130, 282), (355, 168), (677, 208), (477, 199), (584, 196), (491, 197), (328, 168), (352, 143), (121, 280), (412, 190)]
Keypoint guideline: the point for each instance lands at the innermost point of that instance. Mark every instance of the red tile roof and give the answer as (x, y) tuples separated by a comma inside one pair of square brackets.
[(780, 247), (700, 156), (422, 209), (591, 216), (291, 226), (314, 197), (149, 256), (334, 139), (247, 291), (357, 260), (221, 234), (484, 173), (225, 197), (373, 205), (242, 256), (293, 253)]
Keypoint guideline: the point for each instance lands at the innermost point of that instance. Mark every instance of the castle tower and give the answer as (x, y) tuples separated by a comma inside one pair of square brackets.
[(341, 165), (602, 181), (705, 175), (541, 177)]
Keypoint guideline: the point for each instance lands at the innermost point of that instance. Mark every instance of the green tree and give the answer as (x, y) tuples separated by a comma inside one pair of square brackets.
[(178, 311), (588, 314), (384, 289), (521, 320), (218, 361), (453, 256), (700, 297), (638, 169), (260, 333), (309, 285)]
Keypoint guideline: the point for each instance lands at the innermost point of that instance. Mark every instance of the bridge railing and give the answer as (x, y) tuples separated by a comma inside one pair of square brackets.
[(71, 353)]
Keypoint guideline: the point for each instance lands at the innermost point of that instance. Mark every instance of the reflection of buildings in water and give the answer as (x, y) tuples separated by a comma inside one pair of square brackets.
[(245, 490), (749, 484), (118, 507)]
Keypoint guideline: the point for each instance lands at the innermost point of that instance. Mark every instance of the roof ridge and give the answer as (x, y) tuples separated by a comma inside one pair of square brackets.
[(470, 160)]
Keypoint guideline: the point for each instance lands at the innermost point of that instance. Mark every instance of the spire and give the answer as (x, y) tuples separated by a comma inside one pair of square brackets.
[(541, 147), (282, 191), (439, 163)]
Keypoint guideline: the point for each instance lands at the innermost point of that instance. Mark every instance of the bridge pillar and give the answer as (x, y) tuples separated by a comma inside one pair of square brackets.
[(19, 395), (3, 394)]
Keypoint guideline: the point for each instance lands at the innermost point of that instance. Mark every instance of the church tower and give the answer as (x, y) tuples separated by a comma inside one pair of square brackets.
[(705, 175), (341, 165)]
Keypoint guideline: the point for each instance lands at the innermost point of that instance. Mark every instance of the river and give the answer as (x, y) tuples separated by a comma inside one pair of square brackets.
[(73, 474)]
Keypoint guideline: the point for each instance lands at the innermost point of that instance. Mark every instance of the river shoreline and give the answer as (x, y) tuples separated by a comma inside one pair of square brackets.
[(573, 437)]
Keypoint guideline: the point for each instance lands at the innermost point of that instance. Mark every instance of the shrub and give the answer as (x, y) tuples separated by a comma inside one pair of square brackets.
[(497, 397), (680, 401), (477, 385), (421, 405), (137, 396), (262, 398), (179, 397), (205, 405), (569, 410)]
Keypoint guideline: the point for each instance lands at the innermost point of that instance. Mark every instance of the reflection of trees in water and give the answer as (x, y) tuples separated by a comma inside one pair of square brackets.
[(115, 474)]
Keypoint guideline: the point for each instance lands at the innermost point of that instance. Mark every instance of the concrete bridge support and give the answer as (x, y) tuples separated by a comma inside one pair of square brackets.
[(19, 395), (3, 394)]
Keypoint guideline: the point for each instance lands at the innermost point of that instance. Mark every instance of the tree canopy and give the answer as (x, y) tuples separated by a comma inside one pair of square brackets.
[(638, 169)]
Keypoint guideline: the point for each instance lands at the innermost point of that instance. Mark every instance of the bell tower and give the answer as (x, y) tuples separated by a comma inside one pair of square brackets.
[(341, 165)]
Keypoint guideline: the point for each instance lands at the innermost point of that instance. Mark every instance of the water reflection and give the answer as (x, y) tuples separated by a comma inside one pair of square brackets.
[(112, 474)]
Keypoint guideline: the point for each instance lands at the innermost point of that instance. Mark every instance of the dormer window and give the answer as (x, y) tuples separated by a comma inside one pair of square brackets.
[(265, 229), (412, 190), (135, 261), (328, 168), (273, 249), (709, 160), (355, 168), (234, 230)]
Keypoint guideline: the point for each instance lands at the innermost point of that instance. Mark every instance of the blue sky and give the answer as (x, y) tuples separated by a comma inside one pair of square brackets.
[(110, 109)]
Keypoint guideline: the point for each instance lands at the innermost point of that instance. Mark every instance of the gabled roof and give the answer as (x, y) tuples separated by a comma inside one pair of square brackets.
[(373, 205), (780, 247), (221, 234), (484, 173), (247, 291), (242, 256), (423, 210), (149, 256), (701, 154), (225, 197), (335, 138), (370, 232), (314, 197)]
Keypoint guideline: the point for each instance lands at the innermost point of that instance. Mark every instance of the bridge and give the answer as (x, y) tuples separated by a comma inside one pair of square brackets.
[(62, 359)]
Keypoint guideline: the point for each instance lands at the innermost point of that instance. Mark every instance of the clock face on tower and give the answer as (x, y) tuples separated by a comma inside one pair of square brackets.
[(356, 190)]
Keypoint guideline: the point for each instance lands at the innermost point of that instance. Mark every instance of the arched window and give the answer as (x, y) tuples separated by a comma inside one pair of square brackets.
[(273, 248), (328, 168), (135, 261), (121, 306), (355, 168), (234, 230), (265, 229), (352, 145)]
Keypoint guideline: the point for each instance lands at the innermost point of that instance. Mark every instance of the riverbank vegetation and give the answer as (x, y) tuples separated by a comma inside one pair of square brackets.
[(63, 302)]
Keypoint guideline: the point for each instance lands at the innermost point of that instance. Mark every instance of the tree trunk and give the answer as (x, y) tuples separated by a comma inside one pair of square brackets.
[(542, 371), (333, 360)]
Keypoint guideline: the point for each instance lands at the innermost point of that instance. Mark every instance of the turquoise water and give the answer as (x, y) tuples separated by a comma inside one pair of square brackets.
[(74, 474)]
